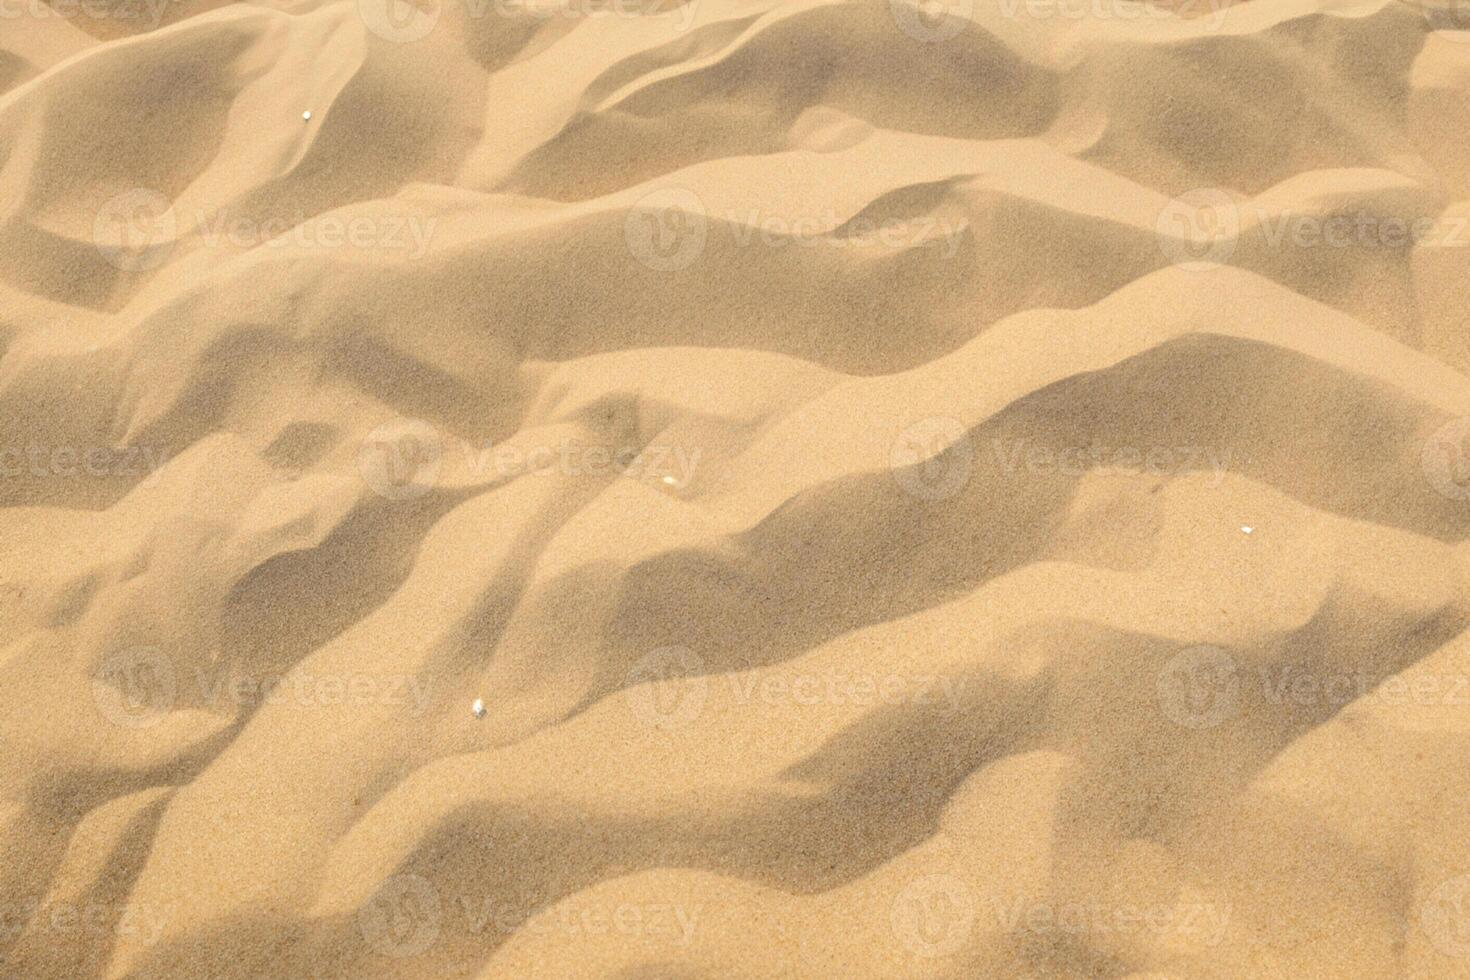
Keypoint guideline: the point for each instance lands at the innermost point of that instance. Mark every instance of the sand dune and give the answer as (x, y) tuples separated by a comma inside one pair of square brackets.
[(917, 490)]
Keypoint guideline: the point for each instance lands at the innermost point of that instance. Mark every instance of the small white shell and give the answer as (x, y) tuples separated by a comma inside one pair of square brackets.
[(306, 115), (478, 708)]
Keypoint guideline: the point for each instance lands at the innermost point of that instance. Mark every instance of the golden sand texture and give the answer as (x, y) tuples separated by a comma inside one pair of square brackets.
[(734, 489)]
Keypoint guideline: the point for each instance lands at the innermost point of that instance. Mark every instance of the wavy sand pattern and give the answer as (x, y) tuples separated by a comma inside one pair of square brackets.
[(918, 490)]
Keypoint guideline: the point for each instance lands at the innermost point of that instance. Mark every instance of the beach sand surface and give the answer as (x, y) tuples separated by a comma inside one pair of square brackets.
[(758, 489)]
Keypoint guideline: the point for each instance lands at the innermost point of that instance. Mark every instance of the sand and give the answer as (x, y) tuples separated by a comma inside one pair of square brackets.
[(783, 488)]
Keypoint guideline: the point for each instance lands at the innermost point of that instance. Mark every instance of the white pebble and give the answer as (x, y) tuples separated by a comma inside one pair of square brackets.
[(670, 480), (1247, 530), (478, 708), (306, 115)]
